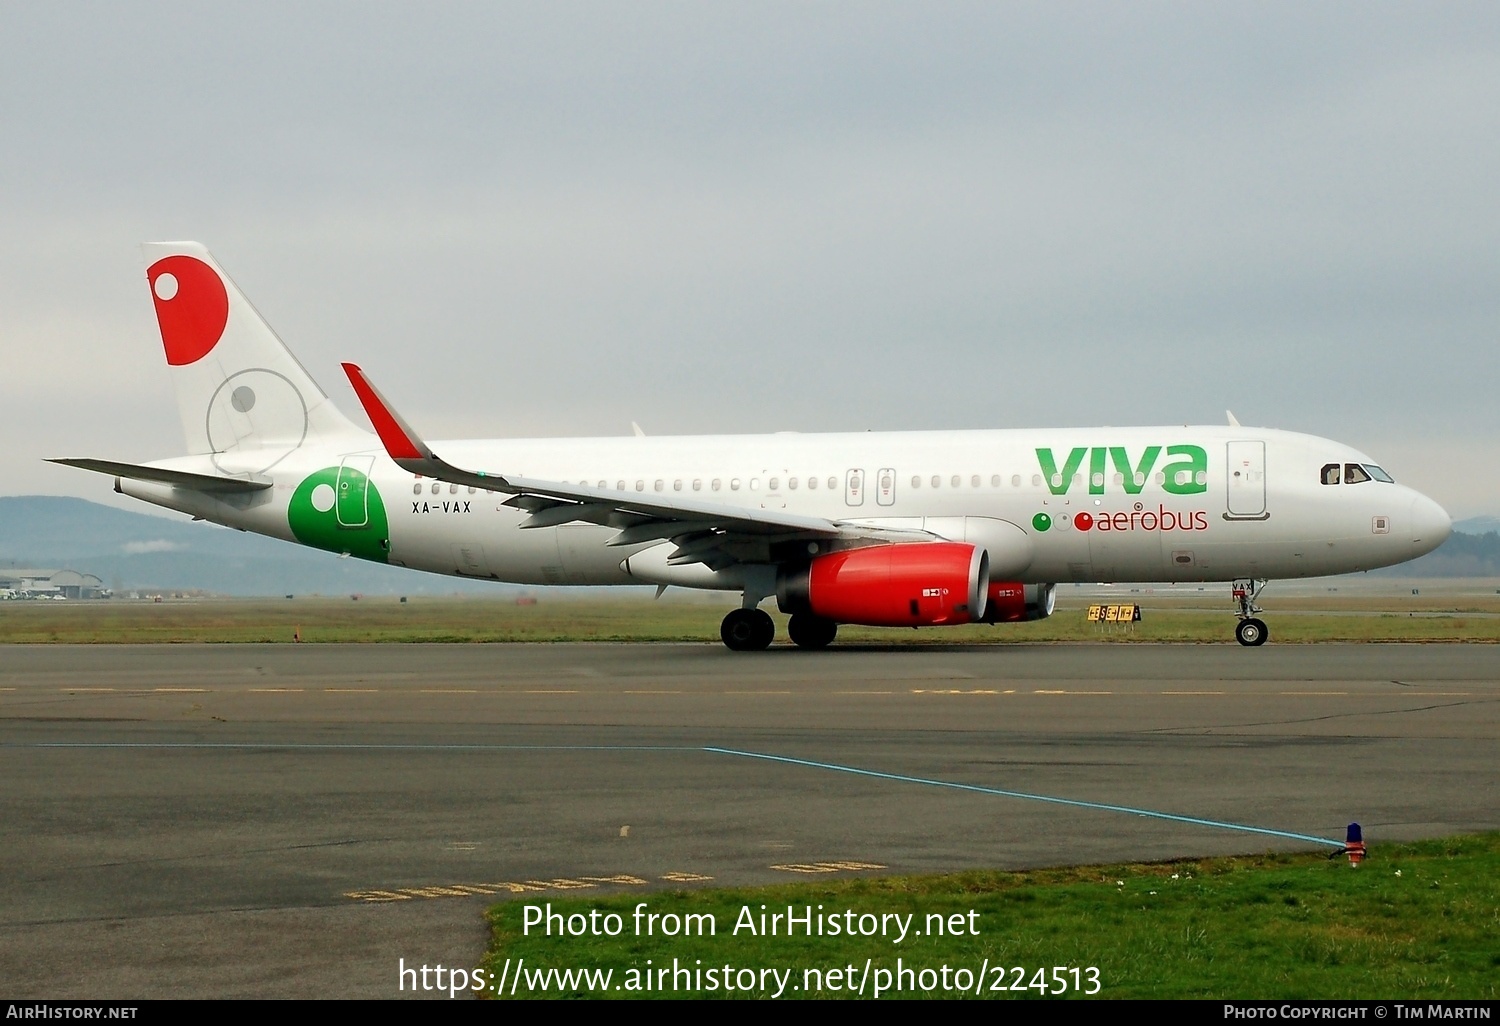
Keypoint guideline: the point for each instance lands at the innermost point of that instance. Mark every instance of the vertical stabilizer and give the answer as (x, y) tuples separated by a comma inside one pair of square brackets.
[(242, 395)]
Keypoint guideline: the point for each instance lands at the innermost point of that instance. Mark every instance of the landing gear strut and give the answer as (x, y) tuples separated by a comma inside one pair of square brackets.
[(1250, 631), (747, 630)]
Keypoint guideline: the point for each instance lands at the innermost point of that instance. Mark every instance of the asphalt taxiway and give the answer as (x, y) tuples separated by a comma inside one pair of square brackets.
[(292, 820)]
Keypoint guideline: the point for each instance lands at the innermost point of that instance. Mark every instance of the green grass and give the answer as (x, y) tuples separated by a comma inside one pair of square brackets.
[(1414, 921), (1167, 619)]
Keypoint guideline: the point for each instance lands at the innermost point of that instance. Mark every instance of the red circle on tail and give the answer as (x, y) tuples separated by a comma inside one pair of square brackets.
[(196, 308)]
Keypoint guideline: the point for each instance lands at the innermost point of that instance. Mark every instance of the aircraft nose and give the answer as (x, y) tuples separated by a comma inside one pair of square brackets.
[(1430, 524)]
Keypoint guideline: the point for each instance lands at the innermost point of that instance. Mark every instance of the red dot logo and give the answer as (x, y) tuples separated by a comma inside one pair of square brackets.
[(192, 307), (1083, 521)]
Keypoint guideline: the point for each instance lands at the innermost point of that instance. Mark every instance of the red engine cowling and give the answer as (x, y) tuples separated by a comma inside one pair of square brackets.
[(922, 584), (1013, 602)]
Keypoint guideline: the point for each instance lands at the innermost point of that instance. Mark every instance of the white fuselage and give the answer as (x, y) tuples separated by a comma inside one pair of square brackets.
[(1098, 504)]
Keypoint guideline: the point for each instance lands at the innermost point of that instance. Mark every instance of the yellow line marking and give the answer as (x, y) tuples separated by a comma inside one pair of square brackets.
[(1049, 692), (7, 689)]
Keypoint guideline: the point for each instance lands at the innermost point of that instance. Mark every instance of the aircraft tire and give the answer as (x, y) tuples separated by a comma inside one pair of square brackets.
[(811, 632), (747, 630), (1251, 633)]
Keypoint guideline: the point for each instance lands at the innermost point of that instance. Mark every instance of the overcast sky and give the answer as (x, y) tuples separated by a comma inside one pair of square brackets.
[(557, 218)]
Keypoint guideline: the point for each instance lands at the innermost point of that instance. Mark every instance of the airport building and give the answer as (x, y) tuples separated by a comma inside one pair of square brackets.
[(23, 583)]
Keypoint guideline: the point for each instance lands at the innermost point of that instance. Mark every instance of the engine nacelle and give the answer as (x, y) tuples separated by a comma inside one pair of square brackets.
[(919, 584), (1013, 602)]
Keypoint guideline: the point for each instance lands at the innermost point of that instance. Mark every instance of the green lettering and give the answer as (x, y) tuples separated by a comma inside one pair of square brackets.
[(1057, 483), (1128, 473), (1195, 462)]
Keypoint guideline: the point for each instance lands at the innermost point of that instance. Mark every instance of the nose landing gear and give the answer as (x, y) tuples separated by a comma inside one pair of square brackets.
[(1251, 631)]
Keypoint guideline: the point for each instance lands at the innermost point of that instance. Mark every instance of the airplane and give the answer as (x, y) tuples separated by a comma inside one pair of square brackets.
[(887, 529)]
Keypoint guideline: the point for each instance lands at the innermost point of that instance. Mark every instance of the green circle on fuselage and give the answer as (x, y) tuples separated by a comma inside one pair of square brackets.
[(1042, 522), (355, 522)]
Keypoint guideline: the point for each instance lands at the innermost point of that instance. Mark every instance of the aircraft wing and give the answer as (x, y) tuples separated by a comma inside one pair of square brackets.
[(705, 532)]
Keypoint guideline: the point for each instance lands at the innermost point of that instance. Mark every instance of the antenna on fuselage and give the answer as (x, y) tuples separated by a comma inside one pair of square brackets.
[(1233, 420)]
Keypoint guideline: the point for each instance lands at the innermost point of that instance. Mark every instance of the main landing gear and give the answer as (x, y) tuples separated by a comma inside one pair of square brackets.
[(747, 630), (1251, 631), (808, 631)]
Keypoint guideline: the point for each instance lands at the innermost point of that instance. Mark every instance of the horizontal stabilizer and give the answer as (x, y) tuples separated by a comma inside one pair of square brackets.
[(177, 478)]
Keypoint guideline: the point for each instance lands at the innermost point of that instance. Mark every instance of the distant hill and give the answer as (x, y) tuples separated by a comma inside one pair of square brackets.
[(131, 551), (1478, 525)]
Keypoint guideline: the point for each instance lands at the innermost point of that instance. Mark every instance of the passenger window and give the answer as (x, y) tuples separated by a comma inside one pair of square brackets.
[(1330, 473), (416, 489), (734, 484), (994, 480), (974, 481), (640, 486), (812, 482), (697, 484), (1015, 481), (677, 485), (791, 483), (436, 488), (1355, 474), (660, 484), (619, 486), (715, 485), (916, 482), (771, 484), (937, 482), (1036, 480), (833, 484), (755, 484), (956, 481)]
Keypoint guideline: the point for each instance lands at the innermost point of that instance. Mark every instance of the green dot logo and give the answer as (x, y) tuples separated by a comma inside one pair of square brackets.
[(1042, 522), (338, 509)]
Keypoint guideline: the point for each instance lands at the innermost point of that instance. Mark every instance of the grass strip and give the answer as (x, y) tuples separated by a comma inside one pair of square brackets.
[(1415, 921), (450, 620)]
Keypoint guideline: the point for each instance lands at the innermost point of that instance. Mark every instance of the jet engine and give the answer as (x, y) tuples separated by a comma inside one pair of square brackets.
[(918, 584), (1014, 602)]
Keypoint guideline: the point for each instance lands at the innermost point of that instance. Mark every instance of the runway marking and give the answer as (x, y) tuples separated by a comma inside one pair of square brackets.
[(1190, 692), (785, 759), (557, 692), (274, 691), (864, 692), (352, 691), (183, 691), (957, 691), (448, 691), (465, 890), (1075, 803), (826, 867), (755, 692), (85, 689), (1321, 693), (652, 692)]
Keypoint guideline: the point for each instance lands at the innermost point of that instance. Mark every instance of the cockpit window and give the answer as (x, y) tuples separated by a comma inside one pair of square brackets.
[(1330, 473), (1355, 474), (1379, 474)]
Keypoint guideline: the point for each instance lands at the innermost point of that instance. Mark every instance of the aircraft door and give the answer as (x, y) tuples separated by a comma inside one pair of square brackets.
[(885, 486), (1245, 474), (854, 488), (352, 491)]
